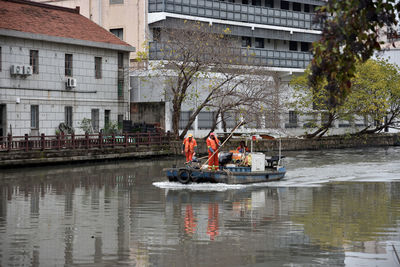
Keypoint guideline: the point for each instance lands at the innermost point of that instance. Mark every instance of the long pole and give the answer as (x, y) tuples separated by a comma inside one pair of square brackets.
[(237, 126)]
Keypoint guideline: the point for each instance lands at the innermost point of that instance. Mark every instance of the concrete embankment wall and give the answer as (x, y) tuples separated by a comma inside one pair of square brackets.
[(48, 157), (293, 144)]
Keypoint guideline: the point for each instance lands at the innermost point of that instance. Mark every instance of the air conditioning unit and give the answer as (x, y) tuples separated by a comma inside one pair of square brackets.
[(28, 70), (71, 83), (17, 70)]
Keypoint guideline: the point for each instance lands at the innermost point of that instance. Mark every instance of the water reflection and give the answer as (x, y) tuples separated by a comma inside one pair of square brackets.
[(111, 214)]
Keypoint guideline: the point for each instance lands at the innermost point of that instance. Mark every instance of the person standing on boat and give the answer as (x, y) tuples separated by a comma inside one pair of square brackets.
[(212, 146), (189, 147)]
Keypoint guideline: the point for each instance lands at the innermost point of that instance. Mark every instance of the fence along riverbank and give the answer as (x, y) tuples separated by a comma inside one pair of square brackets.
[(32, 150)]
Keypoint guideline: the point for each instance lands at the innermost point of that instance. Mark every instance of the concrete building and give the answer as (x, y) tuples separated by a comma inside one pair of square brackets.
[(56, 66)]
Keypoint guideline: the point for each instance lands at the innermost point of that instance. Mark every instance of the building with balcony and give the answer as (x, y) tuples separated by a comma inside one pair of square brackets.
[(56, 66), (277, 34)]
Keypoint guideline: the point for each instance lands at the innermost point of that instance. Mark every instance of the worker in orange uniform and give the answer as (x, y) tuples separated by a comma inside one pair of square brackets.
[(189, 147), (212, 146)]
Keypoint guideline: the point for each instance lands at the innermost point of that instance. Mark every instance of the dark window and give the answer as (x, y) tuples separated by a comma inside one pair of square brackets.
[(97, 67), (120, 80), (269, 3), (68, 116), (0, 58), (157, 34), (120, 120), (107, 118), (68, 64), (95, 120), (292, 46), (35, 117), (285, 5), (296, 6), (306, 8), (112, 2), (245, 2), (259, 43), (246, 41), (118, 32), (34, 61), (292, 117), (305, 47), (256, 2)]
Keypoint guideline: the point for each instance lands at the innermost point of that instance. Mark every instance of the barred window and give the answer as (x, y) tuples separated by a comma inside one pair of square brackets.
[(95, 120), (34, 61), (34, 116), (97, 67), (68, 64), (68, 116)]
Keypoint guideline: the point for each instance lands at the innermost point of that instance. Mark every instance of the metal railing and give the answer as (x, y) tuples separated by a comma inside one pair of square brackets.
[(86, 141), (236, 12), (243, 56)]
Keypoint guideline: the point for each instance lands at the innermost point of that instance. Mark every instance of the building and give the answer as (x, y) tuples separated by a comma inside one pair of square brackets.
[(57, 66), (278, 33)]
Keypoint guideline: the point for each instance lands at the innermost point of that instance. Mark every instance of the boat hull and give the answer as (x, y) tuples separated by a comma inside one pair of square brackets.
[(228, 175)]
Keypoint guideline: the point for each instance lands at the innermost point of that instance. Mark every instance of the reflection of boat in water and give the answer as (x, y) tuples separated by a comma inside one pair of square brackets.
[(258, 170)]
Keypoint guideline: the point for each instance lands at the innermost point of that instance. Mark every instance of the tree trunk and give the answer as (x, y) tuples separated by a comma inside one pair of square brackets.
[(323, 129)]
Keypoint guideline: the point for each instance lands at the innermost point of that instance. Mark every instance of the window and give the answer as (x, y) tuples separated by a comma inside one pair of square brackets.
[(113, 2), (184, 119), (34, 61), (245, 2), (296, 6), (269, 3), (157, 34), (0, 58), (205, 120), (95, 120), (35, 117), (285, 5), (305, 47), (246, 41), (259, 43), (107, 118), (118, 32), (293, 46), (292, 117), (306, 8), (97, 67), (120, 120), (68, 116), (256, 2), (120, 80), (68, 64)]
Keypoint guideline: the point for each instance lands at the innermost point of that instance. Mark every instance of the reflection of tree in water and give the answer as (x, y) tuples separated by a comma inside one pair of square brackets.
[(347, 215)]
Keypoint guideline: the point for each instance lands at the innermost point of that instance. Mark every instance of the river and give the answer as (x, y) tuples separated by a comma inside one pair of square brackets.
[(334, 208)]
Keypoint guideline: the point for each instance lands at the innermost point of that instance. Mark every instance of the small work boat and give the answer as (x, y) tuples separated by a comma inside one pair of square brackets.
[(231, 171)]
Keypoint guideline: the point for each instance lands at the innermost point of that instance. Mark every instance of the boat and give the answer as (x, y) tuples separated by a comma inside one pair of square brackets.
[(258, 170)]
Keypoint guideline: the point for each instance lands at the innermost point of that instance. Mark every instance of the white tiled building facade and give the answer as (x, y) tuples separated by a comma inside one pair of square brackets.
[(37, 103)]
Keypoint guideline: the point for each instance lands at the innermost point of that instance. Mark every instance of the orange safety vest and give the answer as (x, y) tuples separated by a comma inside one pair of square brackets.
[(214, 144), (189, 145)]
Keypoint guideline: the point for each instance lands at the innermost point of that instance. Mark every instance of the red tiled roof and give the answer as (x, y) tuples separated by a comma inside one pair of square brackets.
[(32, 17)]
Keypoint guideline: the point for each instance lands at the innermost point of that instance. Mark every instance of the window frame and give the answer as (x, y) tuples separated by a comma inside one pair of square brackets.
[(69, 118), (35, 117), (34, 61), (117, 31), (258, 41), (95, 119), (68, 70), (98, 65), (246, 41)]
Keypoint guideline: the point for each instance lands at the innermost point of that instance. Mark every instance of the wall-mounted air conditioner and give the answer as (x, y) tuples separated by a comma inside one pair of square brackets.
[(71, 83), (17, 70), (28, 70)]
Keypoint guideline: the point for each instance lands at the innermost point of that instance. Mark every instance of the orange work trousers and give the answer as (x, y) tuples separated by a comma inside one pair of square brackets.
[(189, 156), (213, 163)]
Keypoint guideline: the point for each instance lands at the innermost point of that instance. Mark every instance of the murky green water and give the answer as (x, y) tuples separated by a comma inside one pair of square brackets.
[(335, 208)]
